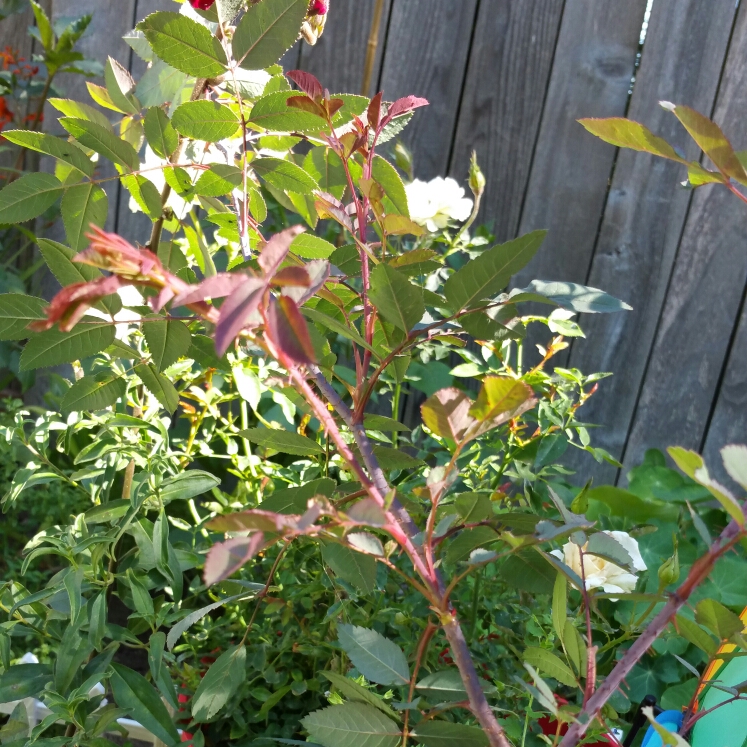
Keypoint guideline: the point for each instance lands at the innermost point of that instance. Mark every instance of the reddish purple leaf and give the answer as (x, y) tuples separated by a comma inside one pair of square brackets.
[(288, 331), (307, 83), (276, 249), (218, 286), (447, 414), (318, 273), (254, 520), (295, 275), (225, 558), (328, 206), (403, 106), (304, 103), (374, 111), (236, 312), (163, 297)]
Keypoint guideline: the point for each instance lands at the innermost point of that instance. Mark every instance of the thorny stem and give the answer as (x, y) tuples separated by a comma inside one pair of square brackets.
[(698, 573)]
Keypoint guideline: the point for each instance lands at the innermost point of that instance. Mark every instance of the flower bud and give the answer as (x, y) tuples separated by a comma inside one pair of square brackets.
[(476, 177), (669, 571)]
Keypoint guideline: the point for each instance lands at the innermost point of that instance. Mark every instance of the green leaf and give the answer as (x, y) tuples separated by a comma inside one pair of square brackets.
[(94, 393), (167, 341), (395, 458), (52, 146), (712, 141), (53, 347), (694, 467), (560, 605), (160, 84), (271, 112), (530, 572), (605, 546), (83, 205), (574, 645), (160, 133), (120, 86), (693, 633), (624, 503), (24, 681), (28, 197), (295, 500), (722, 622), (284, 175), (43, 26), (158, 385), (327, 168), (377, 658), (335, 325), (133, 693), (283, 441), (501, 398), (351, 690), (624, 133), (396, 298), (735, 463), (187, 485), (447, 686), (446, 734), (145, 194), (579, 298), (490, 273), (219, 180), (77, 110), (461, 548), (549, 664), (103, 141), (352, 724), (387, 177), (308, 246), (184, 44), (17, 311), (107, 512), (219, 684), (205, 120), (267, 31), (357, 569)]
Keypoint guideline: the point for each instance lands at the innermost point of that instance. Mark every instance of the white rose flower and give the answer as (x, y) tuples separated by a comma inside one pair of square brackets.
[(601, 573), (436, 203)]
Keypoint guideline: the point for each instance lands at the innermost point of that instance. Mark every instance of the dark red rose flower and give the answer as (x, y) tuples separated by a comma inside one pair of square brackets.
[(202, 4)]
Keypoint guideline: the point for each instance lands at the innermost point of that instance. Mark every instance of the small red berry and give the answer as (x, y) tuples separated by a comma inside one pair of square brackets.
[(318, 8), (202, 4)]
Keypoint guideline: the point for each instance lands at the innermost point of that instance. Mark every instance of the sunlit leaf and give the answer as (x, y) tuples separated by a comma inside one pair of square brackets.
[(377, 658)]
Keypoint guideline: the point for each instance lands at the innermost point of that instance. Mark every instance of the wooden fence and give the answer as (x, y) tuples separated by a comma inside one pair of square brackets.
[(509, 78)]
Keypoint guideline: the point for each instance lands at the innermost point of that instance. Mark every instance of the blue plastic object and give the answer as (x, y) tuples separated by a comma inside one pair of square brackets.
[(671, 720)]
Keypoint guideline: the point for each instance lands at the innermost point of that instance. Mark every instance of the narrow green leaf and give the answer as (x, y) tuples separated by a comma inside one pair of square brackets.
[(330, 323), (167, 341), (145, 194), (377, 658), (205, 120), (387, 176), (103, 141), (351, 724), (490, 273), (549, 664), (267, 31), (28, 197), (579, 298), (120, 86), (184, 44), (396, 298), (283, 441), (284, 175), (77, 110), (94, 393), (722, 622), (83, 205), (133, 692), (308, 246), (351, 690), (447, 686), (24, 681), (187, 485), (159, 386), (53, 347), (17, 311), (693, 633), (52, 146), (560, 605), (219, 684), (624, 133)]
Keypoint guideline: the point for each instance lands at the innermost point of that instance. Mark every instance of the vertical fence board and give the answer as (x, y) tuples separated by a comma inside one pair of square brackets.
[(504, 94), (704, 295), (645, 212), (594, 62), (339, 57), (426, 53)]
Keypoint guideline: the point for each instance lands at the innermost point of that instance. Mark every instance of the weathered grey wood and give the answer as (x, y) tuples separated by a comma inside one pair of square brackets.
[(645, 213), (504, 95), (426, 53), (338, 59), (594, 63), (704, 296)]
